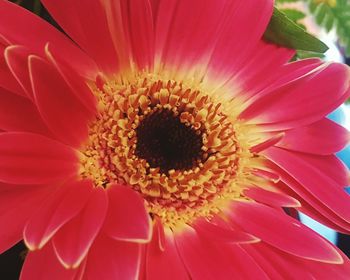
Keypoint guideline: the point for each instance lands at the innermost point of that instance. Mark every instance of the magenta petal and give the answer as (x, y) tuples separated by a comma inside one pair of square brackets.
[(279, 73), (80, 275), (271, 141), (57, 211), (165, 262), (272, 198), (185, 42), (283, 264), (283, 232), (200, 261), (224, 234), (113, 259), (58, 105), (206, 260), (22, 27), (7, 80), (86, 23), (130, 28), (288, 106), (17, 61), (27, 158), (27, 116), (328, 271), (79, 87), (43, 265), (17, 205), (264, 260), (73, 241), (136, 225), (212, 31), (311, 205), (316, 174), (323, 138), (141, 33), (245, 265), (240, 33)]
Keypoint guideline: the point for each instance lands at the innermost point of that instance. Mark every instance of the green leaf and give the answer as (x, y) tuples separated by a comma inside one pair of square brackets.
[(294, 15), (334, 15), (320, 13), (37, 7), (284, 32), (286, 1), (328, 22), (306, 54)]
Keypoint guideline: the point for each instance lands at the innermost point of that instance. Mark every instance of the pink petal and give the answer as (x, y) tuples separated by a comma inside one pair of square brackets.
[(315, 174), (301, 268), (112, 259), (78, 85), (131, 27), (332, 167), (283, 232), (63, 112), (272, 198), (328, 271), (185, 42), (200, 260), (270, 175), (323, 138), (210, 34), (17, 205), (206, 260), (24, 28), (275, 76), (56, 212), (73, 241), (320, 213), (248, 78), (86, 23), (7, 81), (244, 25), (263, 258), (4, 42), (271, 141), (159, 234), (27, 116), (17, 61), (245, 265), (282, 265), (165, 262), (43, 265), (288, 106), (80, 275), (136, 225), (311, 205), (223, 233), (27, 158), (140, 27)]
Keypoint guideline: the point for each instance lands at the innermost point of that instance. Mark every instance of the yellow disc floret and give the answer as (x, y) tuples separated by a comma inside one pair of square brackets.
[(172, 143)]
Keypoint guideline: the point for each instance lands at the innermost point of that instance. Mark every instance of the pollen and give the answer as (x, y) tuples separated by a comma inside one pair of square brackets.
[(173, 143)]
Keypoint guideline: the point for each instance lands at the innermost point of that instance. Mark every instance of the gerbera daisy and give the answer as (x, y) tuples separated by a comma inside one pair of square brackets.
[(164, 140)]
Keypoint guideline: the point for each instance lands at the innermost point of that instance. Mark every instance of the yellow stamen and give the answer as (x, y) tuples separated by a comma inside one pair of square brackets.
[(117, 150)]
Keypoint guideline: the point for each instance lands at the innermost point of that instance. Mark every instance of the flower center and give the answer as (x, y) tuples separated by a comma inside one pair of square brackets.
[(171, 142), (165, 142)]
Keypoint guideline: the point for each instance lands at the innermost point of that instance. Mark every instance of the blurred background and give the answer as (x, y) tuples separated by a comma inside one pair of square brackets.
[(329, 20)]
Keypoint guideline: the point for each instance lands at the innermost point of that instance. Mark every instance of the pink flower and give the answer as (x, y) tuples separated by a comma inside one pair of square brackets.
[(164, 142)]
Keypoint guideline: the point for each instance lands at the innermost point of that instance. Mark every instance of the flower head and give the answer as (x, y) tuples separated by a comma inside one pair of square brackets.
[(165, 142)]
